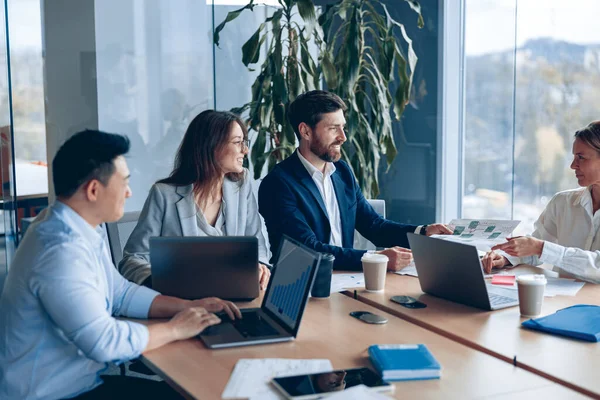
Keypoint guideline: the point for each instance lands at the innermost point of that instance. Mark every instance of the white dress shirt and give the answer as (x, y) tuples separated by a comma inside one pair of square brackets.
[(569, 228), (325, 186), (57, 330)]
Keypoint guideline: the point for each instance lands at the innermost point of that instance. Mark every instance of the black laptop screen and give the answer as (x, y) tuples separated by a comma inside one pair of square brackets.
[(290, 283)]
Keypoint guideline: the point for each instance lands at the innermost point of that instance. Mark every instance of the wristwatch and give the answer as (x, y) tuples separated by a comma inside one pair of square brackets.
[(424, 230)]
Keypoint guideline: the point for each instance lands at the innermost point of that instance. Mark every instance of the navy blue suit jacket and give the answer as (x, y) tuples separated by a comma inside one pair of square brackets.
[(291, 204)]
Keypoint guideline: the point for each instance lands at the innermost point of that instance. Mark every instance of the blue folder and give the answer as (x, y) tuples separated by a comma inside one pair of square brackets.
[(581, 322)]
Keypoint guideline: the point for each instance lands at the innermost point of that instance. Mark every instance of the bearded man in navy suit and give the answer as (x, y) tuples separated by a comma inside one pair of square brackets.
[(313, 197)]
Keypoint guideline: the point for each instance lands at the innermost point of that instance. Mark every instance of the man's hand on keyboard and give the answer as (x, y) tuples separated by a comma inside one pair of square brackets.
[(214, 304), (191, 321)]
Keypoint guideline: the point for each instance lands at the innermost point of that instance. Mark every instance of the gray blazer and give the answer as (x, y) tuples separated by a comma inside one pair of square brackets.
[(171, 211)]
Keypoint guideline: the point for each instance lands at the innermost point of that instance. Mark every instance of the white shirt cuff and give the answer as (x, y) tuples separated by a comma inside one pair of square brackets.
[(552, 253), (418, 230)]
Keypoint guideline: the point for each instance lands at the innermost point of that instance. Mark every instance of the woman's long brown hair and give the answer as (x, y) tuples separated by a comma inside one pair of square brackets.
[(196, 160)]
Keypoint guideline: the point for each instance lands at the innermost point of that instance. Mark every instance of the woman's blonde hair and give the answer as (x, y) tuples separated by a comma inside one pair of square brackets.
[(590, 135)]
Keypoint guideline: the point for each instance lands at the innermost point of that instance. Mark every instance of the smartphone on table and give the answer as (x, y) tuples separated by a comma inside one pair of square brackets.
[(315, 386)]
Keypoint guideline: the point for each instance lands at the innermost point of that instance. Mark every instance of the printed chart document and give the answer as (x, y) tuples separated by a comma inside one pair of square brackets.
[(557, 287), (340, 282), (481, 233), (251, 378)]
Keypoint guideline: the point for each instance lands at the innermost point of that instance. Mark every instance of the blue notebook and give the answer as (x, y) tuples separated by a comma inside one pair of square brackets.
[(399, 362), (580, 322)]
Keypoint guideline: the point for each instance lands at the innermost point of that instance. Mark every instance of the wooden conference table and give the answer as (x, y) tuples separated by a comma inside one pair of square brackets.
[(328, 331), (572, 363)]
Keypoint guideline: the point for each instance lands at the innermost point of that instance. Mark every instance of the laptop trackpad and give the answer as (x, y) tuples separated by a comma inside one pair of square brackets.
[(224, 330)]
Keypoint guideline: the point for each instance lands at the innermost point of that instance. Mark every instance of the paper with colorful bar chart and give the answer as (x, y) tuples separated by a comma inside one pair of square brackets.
[(481, 233)]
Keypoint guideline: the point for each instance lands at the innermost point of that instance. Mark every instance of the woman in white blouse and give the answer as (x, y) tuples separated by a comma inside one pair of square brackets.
[(208, 193), (566, 234)]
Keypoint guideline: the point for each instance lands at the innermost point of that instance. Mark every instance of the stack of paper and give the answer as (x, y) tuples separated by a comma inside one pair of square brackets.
[(359, 392), (340, 282), (251, 378), (410, 270), (557, 287)]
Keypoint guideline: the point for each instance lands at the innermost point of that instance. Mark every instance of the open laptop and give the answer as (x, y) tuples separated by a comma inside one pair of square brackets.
[(453, 271), (278, 318), (198, 267)]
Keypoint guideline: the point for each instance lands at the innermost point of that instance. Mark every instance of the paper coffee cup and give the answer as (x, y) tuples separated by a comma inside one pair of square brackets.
[(374, 268), (531, 294)]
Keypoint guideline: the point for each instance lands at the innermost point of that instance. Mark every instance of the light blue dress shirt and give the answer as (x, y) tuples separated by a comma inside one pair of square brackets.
[(57, 330)]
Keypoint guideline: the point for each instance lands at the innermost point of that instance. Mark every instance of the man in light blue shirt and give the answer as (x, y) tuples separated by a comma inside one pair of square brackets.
[(57, 327)]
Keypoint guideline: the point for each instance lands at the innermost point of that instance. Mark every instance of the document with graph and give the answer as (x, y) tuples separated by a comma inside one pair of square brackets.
[(481, 233)]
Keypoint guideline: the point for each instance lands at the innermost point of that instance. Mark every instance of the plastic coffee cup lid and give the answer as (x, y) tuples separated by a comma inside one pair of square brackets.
[(374, 257), (531, 279)]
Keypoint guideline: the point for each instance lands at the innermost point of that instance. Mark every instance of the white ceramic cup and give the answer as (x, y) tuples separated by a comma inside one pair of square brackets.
[(531, 294), (374, 267)]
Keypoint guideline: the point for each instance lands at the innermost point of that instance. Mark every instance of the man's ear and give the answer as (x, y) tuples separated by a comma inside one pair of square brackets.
[(91, 190), (305, 131)]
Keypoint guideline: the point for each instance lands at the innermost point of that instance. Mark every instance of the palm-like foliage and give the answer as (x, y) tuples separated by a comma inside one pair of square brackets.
[(359, 56)]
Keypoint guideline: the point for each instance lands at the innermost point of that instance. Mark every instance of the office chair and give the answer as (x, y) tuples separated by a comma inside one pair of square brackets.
[(118, 233), (360, 242)]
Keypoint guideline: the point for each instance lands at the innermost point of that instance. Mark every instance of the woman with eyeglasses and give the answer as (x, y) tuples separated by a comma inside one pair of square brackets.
[(208, 193), (566, 234)]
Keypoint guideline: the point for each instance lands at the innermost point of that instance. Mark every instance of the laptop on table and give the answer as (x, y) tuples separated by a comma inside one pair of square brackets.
[(278, 319), (211, 266), (453, 271)]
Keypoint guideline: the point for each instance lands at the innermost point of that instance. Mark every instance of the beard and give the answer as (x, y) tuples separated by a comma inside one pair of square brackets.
[(326, 152)]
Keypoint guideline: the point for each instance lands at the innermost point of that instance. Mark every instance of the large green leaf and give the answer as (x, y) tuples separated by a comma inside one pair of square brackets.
[(307, 62), (402, 95), (258, 155), (230, 17), (329, 70), (417, 8), (251, 49), (326, 20), (362, 49), (306, 9), (349, 56), (391, 151)]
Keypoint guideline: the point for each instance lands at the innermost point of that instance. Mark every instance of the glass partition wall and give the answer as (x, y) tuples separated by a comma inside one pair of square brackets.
[(145, 68), (8, 213)]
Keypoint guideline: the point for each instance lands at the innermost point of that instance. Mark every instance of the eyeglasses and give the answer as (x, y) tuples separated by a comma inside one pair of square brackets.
[(242, 143)]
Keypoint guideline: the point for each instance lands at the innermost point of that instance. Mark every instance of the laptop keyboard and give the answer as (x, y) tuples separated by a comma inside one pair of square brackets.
[(497, 300)]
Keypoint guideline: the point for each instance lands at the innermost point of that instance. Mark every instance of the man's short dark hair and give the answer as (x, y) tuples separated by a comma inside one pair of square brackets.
[(309, 108), (85, 156)]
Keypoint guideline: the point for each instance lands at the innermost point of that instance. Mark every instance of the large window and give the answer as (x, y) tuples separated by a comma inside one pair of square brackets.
[(531, 78), (26, 62)]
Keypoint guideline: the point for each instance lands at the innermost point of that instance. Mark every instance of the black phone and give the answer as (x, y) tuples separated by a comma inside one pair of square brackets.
[(408, 302), (369, 317), (314, 386)]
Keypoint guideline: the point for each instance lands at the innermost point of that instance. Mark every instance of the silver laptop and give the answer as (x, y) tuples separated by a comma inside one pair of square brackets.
[(453, 271), (198, 267), (278, 318)]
